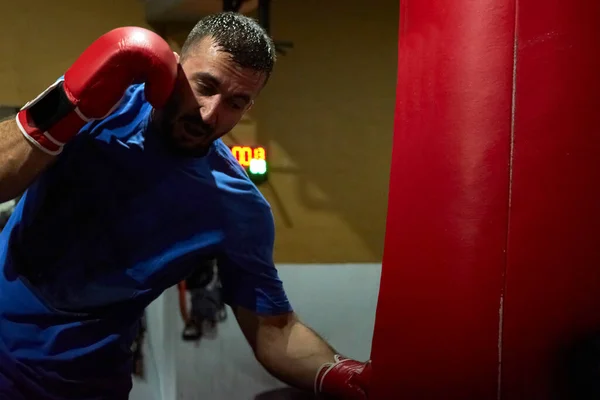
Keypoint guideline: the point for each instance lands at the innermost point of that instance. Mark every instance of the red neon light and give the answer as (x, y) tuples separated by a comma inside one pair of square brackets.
[(244, 154)]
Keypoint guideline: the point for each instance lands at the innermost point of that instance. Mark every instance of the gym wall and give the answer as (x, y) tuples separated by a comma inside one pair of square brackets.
[(329, 113), (326, 117), (42, 38)]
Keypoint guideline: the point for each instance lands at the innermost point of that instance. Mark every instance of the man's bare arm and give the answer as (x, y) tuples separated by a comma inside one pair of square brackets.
[(296, 355), (83, 93), (285, 347), (20, 161)]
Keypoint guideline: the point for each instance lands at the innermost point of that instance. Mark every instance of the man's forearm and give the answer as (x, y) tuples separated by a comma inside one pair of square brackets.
[(20, 161), (295, 355)]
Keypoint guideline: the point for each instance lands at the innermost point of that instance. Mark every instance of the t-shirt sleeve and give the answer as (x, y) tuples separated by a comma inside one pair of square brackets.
[(247, 271)]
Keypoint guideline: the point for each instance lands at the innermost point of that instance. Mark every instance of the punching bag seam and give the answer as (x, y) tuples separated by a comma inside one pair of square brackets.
[(510, 184)]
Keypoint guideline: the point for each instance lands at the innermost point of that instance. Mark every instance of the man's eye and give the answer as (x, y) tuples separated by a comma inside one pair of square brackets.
[(205, 90), (237, 104)]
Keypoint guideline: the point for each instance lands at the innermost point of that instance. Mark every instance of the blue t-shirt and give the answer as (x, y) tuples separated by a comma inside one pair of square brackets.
[(115, 221)]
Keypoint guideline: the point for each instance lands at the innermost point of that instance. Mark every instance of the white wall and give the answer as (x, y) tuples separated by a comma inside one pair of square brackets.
[(338, 301), (159, 350)]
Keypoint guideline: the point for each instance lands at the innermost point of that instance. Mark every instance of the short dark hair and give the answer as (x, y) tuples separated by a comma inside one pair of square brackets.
[(248, 43)]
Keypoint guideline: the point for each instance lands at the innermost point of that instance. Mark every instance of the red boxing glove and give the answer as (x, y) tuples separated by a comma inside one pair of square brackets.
[(93, 86), (344, 379)]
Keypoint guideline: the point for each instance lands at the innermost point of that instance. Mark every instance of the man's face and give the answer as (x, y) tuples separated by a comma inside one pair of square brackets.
[(210, 98)]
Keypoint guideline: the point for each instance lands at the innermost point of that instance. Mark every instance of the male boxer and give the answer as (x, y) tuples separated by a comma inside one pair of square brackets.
[(125, 187)]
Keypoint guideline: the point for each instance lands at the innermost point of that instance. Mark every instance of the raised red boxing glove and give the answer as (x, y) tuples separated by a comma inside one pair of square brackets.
[(93, 86), (344, 379)]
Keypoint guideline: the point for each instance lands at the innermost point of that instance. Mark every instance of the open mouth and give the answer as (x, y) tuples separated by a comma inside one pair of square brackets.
[(194, 130)]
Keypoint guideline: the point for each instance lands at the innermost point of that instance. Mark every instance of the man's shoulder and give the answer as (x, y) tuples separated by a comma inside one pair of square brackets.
[(131, 111), (133, 102)]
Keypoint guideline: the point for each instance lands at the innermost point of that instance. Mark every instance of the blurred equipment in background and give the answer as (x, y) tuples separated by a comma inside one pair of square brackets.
[(136, 349), (264, 18), (205, 307), (174, 11), (6, 210), (163, 12)]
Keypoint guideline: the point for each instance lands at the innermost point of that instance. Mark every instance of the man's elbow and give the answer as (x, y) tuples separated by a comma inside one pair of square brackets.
[(272, 338), (270, 356)]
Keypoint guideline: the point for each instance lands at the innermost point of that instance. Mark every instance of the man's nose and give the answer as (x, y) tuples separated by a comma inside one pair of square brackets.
[(210, 109)]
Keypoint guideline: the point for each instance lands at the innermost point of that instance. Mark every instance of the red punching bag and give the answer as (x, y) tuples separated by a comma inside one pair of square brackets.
[(491, 267), (552, 296)]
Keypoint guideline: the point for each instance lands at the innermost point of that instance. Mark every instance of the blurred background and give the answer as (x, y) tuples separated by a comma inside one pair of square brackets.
[(323, 126)]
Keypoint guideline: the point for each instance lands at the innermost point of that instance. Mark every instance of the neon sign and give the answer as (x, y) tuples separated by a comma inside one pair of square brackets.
[(245, 154), (253, 159)]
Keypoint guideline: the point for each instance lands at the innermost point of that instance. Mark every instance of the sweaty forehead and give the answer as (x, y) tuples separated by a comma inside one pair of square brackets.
[(207, 60)]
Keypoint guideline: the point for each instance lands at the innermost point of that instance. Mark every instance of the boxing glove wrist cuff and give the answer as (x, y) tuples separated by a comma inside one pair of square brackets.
[(322, 373), (343, 378), (51, 119)]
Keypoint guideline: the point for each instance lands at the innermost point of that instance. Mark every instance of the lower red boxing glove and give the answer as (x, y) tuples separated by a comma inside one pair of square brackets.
[(93, 86), (344, 379)]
